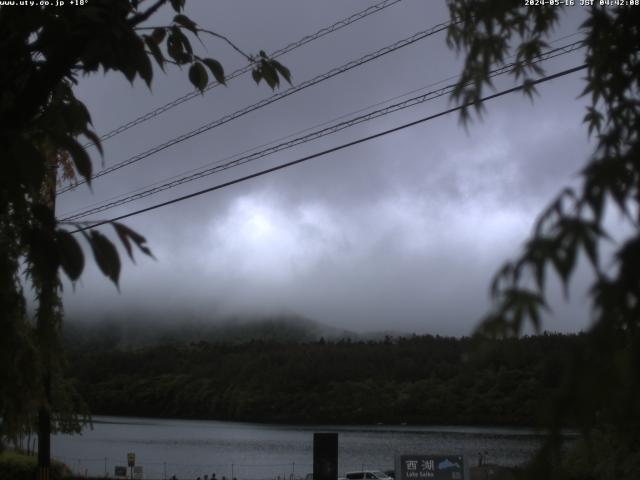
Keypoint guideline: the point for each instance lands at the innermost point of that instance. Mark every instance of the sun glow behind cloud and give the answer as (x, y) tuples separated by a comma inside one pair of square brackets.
[(262, 241)]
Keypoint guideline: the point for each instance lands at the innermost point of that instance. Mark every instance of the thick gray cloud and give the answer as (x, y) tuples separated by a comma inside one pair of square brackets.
[(403, 232)]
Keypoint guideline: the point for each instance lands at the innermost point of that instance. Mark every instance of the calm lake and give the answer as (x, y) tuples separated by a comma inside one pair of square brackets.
[(192, 448)]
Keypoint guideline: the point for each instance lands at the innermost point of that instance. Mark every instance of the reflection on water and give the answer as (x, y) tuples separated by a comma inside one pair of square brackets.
[(192, 448)]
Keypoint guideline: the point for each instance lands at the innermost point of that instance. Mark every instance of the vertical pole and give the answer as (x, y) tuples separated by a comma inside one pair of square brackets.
[(45, 327), (44, 432), (164, 465), (232, 471), (325, 456)]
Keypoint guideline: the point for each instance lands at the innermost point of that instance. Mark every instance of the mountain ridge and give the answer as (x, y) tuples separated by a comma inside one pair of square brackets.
[(144, 329)]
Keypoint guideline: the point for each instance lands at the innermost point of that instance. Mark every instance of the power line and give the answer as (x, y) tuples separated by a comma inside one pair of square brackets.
[(573, 46), (266, 101), (331, 150), (236, 73), (307, 138)]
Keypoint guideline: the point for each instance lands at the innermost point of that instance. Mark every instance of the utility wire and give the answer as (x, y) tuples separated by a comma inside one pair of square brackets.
[(309, 137), (547, 55), (530, 83), (236, 73), (266, 101)]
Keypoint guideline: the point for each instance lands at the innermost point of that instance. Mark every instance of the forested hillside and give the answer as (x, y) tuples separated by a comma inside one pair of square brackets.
[(419, 379)]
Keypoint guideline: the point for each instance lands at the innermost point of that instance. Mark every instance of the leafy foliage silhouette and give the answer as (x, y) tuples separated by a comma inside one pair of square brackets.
[(43, 51), (601, 391)]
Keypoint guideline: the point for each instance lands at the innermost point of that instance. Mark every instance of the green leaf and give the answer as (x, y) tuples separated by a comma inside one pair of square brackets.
[(186, 22), (126, 234), (69, 254), (198, 76), (216, 69), (269, 74), (105, 254), (124, 238), (589, 243), (182, 38), (504, 275), (174, 47), (158, 35), (257, 76), (143, 64), (539, 251), (594, 120), (177, 5), (79, 155), (523, 303), (529, 89), (78, 116), (91, 135), (155, 51), (282, 70)]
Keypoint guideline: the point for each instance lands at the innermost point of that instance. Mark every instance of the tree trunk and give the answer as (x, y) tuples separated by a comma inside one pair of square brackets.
[(47, 331), (44, 436)]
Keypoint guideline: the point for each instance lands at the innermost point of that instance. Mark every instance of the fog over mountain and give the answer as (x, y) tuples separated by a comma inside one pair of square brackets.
[(140, 330), (400, 233)]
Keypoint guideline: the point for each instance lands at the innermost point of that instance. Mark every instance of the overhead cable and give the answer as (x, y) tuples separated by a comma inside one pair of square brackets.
[(527, 84), (264, 102), (306, 138), (378, 7)]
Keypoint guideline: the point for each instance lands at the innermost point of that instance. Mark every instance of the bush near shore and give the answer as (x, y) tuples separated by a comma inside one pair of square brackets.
[(19, 466)]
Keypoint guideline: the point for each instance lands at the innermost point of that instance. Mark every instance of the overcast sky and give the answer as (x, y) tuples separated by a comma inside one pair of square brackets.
[(403, 232)]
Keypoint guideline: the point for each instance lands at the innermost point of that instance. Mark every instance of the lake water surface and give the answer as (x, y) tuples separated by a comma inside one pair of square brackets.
[(192, 448)]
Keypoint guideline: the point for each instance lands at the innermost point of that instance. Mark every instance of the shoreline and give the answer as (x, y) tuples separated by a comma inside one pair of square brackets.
[(461, 429)]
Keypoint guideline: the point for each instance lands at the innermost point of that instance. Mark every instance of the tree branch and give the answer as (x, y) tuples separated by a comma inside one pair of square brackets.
[(143, 16), (148, 52), (233, 45), (214, 34)]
